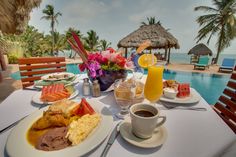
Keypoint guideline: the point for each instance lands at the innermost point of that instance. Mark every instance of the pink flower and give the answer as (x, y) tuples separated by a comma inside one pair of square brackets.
[(120, 60), (129, 64), (106, 54), (111, 50), (113, 57)]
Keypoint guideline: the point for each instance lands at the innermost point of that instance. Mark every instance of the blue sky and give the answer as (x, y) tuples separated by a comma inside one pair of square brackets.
[(114, 19)]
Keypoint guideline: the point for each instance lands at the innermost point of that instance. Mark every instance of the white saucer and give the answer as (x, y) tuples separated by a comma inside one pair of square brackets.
[(157, 139)]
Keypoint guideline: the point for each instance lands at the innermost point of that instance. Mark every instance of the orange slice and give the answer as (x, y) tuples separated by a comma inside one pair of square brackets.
[(147, 60)]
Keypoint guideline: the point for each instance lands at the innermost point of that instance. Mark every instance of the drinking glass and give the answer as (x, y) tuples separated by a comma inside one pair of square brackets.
[(138, 73), (154, 86), (124, 92)]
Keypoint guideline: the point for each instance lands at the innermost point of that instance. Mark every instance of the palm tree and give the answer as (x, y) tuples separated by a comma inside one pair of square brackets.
[(151, 21), (104, 44), (91, 41), (69, 35), (52, 16), (60, 42), (31, 40), (220, 21)]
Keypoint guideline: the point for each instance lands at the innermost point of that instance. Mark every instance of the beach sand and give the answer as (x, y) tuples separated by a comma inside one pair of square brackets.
[(8, 85)]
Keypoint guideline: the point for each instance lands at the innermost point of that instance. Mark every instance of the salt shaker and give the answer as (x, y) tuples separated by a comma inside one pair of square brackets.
[(86, 87), (96, 89)]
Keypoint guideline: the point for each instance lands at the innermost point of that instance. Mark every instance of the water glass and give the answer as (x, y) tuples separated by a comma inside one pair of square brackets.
[(124, 92)]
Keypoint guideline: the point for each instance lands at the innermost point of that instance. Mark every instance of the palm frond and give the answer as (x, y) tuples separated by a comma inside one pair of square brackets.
[(206, 18), (46, 17), (205, 9)]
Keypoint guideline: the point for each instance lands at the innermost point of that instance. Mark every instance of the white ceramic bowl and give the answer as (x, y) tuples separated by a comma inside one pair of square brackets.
[(170, 93)]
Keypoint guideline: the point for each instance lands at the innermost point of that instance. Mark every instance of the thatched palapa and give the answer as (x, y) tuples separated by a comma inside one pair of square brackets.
[(200, 49), (14, 14), (160, 38)]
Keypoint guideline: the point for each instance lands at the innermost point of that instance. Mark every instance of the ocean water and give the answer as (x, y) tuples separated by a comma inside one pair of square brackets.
[(185, 58)]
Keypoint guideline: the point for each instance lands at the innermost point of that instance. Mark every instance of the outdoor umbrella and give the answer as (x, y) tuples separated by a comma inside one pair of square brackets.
[(200, 49)]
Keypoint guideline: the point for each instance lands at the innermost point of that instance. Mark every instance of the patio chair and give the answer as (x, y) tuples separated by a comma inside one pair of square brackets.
[(226, 105), (227, 65), (31, 69), (194, 59), (202, 63)]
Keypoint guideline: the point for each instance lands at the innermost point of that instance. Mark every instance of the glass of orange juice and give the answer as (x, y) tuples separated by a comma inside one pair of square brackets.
[(154, 86)]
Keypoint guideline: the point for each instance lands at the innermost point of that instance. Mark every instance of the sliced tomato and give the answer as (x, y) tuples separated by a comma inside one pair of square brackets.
[(78, 110), (83, 108), (87, 106)]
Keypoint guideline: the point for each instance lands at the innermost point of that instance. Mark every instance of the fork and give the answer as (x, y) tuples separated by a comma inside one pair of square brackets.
[(169, 107)]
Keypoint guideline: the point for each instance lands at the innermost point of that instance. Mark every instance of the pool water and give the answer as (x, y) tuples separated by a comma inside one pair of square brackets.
[(73, 68), (209, 86)]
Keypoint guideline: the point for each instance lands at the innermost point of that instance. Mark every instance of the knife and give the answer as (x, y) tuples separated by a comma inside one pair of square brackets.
[(111, 140)]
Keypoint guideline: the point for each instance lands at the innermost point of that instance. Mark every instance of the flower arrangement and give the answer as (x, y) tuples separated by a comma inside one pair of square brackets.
[(100, 63), (108, 60)]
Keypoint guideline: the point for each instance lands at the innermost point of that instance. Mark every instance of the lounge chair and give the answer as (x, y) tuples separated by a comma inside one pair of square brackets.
[(226, 105), (194, 59), (227, 65), (202, 63)]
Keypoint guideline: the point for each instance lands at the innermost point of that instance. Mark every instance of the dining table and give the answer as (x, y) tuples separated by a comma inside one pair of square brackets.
[(190, 133)]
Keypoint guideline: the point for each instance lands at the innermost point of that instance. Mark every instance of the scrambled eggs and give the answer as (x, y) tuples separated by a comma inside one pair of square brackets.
[(81, 128)]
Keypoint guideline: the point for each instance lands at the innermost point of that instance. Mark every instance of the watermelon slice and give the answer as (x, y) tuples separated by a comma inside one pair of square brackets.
[(54, 92), (183, 90)]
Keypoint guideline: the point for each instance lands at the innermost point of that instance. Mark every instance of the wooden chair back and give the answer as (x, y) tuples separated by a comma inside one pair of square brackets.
[(31, 69), (226, 105)]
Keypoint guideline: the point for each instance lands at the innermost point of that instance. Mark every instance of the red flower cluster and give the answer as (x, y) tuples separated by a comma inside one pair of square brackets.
[(105, 60)]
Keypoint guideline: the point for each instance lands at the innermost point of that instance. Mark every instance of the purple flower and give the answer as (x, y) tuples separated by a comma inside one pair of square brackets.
[(93, 68), (100, 72)]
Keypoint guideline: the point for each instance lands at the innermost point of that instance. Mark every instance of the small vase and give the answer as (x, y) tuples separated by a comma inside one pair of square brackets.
[(109, 77)]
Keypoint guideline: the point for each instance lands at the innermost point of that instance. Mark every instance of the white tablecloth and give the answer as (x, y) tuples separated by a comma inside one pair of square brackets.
[(190, 133)]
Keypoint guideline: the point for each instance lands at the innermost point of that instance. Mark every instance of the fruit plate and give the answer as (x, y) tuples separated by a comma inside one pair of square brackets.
[(36, 98), (193, 98), (41, 83), (18, 145), (58, 76)]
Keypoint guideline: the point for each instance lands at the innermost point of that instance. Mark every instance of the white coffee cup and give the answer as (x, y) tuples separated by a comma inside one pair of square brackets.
[(145, 119)]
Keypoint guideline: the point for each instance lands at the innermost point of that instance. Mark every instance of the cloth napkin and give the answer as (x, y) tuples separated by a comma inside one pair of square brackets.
[(45, 83)]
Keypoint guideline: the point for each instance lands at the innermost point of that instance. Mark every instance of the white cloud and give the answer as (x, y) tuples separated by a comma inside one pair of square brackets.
[(114, 19), (84, 10), (138, 17)]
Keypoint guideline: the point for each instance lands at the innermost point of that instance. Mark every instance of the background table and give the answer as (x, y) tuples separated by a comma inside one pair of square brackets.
[(190, 133)]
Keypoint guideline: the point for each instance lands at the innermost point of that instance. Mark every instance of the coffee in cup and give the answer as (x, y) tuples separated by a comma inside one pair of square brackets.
[(145, 119)]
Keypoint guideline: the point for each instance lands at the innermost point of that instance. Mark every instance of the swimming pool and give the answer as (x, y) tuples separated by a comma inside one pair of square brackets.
[(209, 86)]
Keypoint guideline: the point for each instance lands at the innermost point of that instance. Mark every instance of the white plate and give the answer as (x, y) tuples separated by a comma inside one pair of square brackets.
[(17, 144), (75, 81), (36, 97), (193, 98), (47, 77), (157, 139)]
